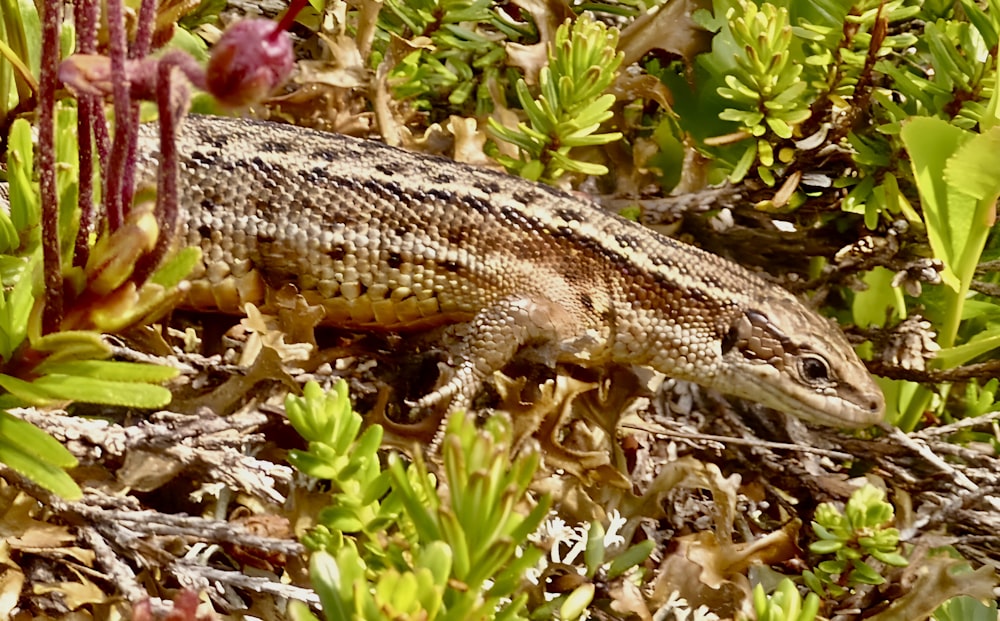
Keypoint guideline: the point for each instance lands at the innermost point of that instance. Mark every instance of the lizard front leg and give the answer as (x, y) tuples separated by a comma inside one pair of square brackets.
[(499, 330)]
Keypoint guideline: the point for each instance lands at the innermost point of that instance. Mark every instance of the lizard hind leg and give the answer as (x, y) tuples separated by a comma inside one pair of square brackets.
[(493, 338)]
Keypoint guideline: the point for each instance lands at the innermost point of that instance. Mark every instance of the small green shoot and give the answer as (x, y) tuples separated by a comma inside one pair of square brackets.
[(785, 604), (394, 543), (855, 537), (570, 107)]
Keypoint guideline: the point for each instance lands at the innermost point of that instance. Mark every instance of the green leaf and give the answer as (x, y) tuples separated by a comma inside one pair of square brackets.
[(49, 476), (630, 558), (864, 573), (72, 345), (299, 611), (35, 442), (594, 553), (743, 166), (947, 213), (109, 370), (423, 519), (27, 392), (53, 388), (437, 557), (974, 169), (37, 455), (324, 571), (15, 309), (25, 204), (825, 546), (891, 558), (172, 272), (966, 608), (578, 601)]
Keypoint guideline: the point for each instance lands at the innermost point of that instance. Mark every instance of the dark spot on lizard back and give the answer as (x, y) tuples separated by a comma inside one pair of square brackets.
[(627, 241), (521, 220), (337, 253), (205, 231), (442, 178), (202, 158), (328, 155), (388, 189), (524, 197), (487, 187), (551, 191), (314, 175), (587, 301), (451, 266), (700, 296), (569, 215), (387, 169), (593, 246), (216, 140), (271, 146), (441, 195), (262, 166), (475, 203), (394, 260), (208, 205)]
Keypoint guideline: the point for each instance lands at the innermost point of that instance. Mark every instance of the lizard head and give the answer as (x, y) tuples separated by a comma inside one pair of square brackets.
[(791, 359)]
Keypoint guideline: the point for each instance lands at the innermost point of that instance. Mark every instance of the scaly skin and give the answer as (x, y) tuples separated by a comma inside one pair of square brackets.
[(384, 239)]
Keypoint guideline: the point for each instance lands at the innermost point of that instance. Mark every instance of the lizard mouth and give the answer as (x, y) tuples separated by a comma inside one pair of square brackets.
[(851, 408), (840, 405)]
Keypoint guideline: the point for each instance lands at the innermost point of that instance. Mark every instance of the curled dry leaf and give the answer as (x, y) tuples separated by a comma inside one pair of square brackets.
[(669, 28), (936, 582)]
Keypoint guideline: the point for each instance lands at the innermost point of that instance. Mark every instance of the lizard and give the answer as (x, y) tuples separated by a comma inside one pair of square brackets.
[(389, 240)]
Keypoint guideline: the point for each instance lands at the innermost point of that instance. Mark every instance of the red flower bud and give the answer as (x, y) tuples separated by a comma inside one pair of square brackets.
[(250, 61)]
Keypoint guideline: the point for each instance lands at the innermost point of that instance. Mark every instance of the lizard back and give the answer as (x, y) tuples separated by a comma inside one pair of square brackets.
[(390, 240)]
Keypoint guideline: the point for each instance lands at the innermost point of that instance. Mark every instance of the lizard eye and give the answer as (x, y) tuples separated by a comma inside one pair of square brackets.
[(814, 370)]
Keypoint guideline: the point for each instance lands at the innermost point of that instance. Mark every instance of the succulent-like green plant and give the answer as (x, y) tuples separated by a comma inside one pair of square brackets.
[(394, 543), (766, 90), (854, 537), (570, 106), (785, 604)]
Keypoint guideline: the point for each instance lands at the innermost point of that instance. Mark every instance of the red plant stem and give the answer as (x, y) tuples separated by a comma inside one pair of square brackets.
[(144, 31), (51, 259), (172, 104), (85, 18), (116, 173), (140, 49), (289, 17)]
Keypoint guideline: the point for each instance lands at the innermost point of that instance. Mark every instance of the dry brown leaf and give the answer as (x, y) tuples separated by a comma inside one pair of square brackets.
[(344, 69), (145, 471), (265, 333), (74, 594), (547, 15), (938, 581), (679, 575), (469, 142), (669, 28), (11, 581), (21, 530), (627, 599)]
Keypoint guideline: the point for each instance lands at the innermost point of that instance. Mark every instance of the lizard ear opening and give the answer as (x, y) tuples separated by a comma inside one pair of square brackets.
[(738, 333)]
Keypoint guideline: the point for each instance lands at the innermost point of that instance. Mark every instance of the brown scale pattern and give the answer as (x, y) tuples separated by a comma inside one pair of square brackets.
[(388, 240)]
